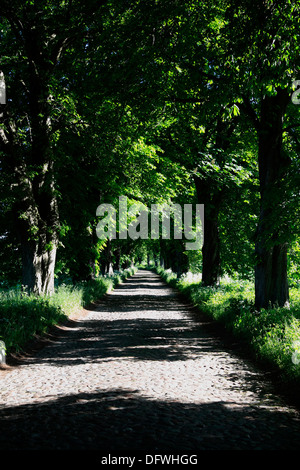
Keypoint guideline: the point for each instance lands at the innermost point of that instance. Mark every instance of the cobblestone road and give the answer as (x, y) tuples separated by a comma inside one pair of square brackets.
[(142, 372)]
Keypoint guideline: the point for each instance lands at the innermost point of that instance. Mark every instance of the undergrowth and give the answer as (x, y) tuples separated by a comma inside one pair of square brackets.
[(272, 334), (23, 316)]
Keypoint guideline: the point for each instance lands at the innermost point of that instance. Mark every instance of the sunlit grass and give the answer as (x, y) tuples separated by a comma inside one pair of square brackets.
[(23, 316)]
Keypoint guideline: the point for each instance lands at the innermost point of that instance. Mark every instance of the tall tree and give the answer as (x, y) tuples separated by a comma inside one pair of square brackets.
[(263, 64), (35, 37)]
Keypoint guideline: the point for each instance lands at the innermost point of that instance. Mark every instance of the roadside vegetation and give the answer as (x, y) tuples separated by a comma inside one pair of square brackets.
[(24, 316)]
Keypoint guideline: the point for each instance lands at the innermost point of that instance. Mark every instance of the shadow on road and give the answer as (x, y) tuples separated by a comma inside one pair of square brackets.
[(143, 320), (122, 421)]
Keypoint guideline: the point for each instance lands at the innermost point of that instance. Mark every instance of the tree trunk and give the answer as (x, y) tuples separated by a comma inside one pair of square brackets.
[(37, 225), (271, 284), (110, 269), (117, 258), (161, 261), (38, 269), (211, 258)]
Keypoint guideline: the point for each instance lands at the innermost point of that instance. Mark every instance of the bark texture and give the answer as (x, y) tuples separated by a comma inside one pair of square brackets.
[(211, 257), (271, 283)]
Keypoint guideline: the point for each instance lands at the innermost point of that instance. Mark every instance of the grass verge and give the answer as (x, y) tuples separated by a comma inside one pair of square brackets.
[(22, 316)]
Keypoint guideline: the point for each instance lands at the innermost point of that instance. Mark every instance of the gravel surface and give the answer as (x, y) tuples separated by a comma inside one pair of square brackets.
[(142, 372)]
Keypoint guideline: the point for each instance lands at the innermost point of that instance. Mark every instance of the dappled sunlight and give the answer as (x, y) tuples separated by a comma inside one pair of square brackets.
[(142, 371), (121, 419), (163, 359)]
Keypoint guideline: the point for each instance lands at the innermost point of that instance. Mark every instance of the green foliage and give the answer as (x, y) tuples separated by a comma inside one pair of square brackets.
[(294, 264), (167, 275), (23, 316), (95, 289)]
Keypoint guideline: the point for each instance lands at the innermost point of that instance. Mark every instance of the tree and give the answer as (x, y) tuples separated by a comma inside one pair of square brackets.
[(36, 36), (263, 63), (183, 60), (149, 99)]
